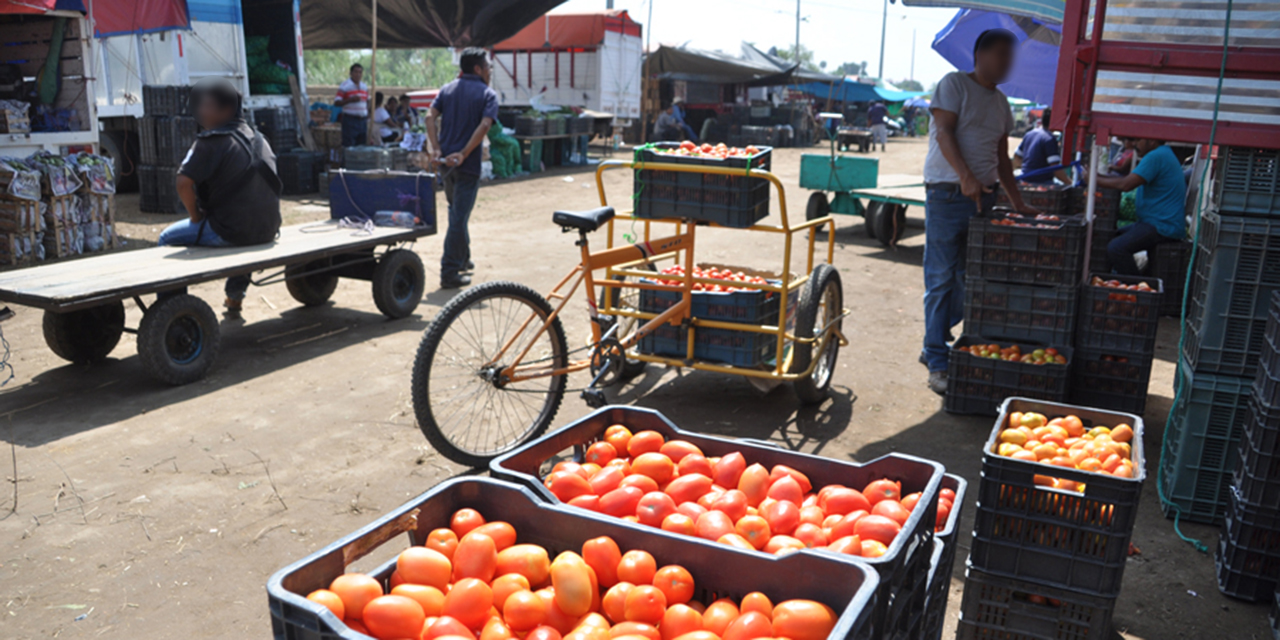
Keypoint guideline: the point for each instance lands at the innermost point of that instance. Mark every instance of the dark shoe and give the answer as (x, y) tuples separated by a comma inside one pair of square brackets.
[(455, 283), (923, 360), (469, 267), (938, 382), (233, 309)]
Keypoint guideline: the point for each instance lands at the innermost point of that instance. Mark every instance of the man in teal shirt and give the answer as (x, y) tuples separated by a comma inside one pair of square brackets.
[(1161, 205)]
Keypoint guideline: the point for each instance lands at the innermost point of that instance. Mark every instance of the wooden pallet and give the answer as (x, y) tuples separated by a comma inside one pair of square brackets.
[(64, 234), (18, 248)]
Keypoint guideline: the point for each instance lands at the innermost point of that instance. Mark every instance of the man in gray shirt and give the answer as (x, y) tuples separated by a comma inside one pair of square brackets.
[(968, 155)]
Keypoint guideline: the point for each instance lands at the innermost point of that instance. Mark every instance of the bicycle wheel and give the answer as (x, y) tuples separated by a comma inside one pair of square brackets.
[(627, 299), (465, 408), (821, 304)]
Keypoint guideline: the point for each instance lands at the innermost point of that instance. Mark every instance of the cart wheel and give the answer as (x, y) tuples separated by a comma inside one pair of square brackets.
[(890, 223), (178, 339), (464, 405), (869, 216), (311, 290), (84, 336), (398, 283), (818, 207), (821, 303), (626, 299)]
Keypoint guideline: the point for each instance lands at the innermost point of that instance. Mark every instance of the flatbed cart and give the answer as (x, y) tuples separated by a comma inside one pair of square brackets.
[(178, 338), (849, 138), (850, 180)]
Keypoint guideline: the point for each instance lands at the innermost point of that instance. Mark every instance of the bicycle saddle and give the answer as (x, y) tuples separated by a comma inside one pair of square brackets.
[(585, 221)]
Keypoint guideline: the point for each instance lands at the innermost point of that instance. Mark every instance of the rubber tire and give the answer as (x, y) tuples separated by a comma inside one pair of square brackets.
[(122, 147), (395, 264), (869, 216), (87, 336), (312, 290), (890, 223), (419, 383), (818, 207), (153, 330), (631, 369), (809, 391)]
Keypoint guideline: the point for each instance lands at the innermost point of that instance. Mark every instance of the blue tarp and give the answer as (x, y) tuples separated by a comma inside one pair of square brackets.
[(1048, 11), (224, 11), (894, 95), (847, 91), (1037, 62)]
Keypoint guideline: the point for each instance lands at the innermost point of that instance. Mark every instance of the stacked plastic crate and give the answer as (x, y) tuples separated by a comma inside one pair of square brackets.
[(1020, 289), (1115, 341), (1236, 269), (1249, 552), (165, 135), (1048, 561)]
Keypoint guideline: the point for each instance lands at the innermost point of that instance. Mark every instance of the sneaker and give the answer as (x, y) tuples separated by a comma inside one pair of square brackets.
[(456, 282), (938, 382), (470, 266)]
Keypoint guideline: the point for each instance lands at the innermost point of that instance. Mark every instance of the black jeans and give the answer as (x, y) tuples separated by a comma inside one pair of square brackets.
[(1139, 236), (355, 130)]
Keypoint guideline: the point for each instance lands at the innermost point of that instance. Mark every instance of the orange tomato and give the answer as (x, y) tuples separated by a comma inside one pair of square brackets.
[(691, 509), (430, 599), (726, 471), (844, 501), (678, 620), (328, 600), (879, 528), (786, 488), (891, 509), (622, 501), (608, 479), (755, 530), (644, 442), (640, 481), (603, 555), (619, 436), (588, 502), (503, 534), (393, 616), (754, 482), (356, 625), (803, 620), (654, 507), (571, 467), (783, 516), (444, 541), (468, 601), (654, 465), (679, 523), (698, 635), (675, 582), (748, 626), (601, 453), (758, 602), (873, 549), (688, 487), (783, 544), (614, 601), (637, 567), (528, 560), (718, 616), (678, 449), (355, 590), (736, 541), (505, 585), (1122, 433), (496, 629), (556, 617), (812, 514), (524, 611), (635, 629), (694, 463), (732, 503), (709, 497), (573, 583), (811, 535), (567, 485), (544, 633), (464, 520), (712, 524), (475, 557), (1091, 464), (645, 603), (881, 490), (420, 565), (851, 545), (445, 626), (780, 470)]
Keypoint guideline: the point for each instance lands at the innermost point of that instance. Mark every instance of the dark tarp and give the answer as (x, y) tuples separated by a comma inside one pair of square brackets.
[(116, 17), (40, 6), (416, 24), (752, 54), (695, 65)]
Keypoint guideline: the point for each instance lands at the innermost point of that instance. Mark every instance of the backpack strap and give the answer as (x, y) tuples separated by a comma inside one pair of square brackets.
[(256, 150)]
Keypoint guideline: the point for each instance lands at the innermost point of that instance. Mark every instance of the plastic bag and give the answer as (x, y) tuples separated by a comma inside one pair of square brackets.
[(96, 172), (58, 173), (24, 181)]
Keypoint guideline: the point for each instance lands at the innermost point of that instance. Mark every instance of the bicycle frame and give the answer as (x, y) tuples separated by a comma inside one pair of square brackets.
[(625, 260)]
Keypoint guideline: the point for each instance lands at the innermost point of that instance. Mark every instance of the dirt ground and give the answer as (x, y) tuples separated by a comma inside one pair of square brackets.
[(145, 511)]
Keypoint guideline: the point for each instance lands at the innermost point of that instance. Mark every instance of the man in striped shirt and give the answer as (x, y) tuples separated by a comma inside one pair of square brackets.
[(353, 97)]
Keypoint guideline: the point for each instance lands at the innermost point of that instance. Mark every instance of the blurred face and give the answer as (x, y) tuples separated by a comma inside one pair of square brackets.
[(357, 75), (1144, 146), (483, 70), (210, 114), (995, 62)]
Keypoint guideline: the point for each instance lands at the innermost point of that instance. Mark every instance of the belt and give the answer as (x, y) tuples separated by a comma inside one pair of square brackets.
[(954, 186)]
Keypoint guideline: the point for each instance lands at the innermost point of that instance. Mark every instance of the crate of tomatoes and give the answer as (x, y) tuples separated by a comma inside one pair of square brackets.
[(633, 464), (1120, 313), (1059, 495), (729, 200), (944, 557), (980, 375), (1009, 247), (487, 559)]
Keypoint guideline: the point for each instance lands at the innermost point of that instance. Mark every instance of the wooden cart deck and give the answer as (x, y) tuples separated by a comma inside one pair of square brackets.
[(91, 281)]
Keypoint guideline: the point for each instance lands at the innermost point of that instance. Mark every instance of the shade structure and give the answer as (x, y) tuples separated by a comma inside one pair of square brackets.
[(570, 30), (1049, 11), (696, 65), (417, 24), (1036, 66)]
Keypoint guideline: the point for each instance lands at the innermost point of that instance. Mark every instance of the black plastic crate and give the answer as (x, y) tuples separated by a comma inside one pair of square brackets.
[(752, 306), (1275, 618), (149, 147), (1048, 255), (173, 137), (1256, 480), (1106, 207), (747, 349), (943, 559), (158, 192), (1046, 198), (1099, 261), (1169, 263), (1119, 319), (1236, 271), (529, 126), (1202, 444), (297, 170), (1109, 379), (1266, 385), (1248, 558), (718, 571), (1070, 539), (1008, 609), (727, 200), (977, 385), (1020, 311), (1248, 181), (899, 569), (275, 119), (166, 100)]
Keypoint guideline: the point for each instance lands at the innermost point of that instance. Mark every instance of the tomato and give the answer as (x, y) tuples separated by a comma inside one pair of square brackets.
[(476, 557), (464, 520), (430, 599), (601, 453), (754, 482), (444, 541), (679, 523), (709, 497), (637, 567), (572, 580), (851, 545), (678, 449), (528, 560), (678, 620), (328, 600), (713, 524), (468, 602), (688, 487), (603, 556), (754, 529), (811, 535), (524, 611), (692, 509), (635, 629), (675, 583), (718, 615), (505, 585), (645, 603), (606, 480), (873, 549), (732, 503), (812, 514), (803, 620), (786, 488), (571, 467), (543, 633), (736, 541), (878, 528), (589, 502), (654, 465), (694, 463), (780, 470), (757, 602), (445, 626), (391, 616), (556, 617), (698, 635), (567, 485), (355, 590), (749, 626), (645, 442), (654, 507), (621, 501), (356, 625), (614, 601), (728, 469), (881, 490), (595, 620), (640, 481), (783, 516), (909, 501), (891, 509), (496, 629)]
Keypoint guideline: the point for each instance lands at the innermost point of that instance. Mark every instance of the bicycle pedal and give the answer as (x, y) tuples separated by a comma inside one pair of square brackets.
[(594, 398)]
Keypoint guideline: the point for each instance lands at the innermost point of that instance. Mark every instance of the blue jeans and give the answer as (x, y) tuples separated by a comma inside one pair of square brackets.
[(186, 233), (354, 130), (946, 237), (460, 190), (1138, 236)]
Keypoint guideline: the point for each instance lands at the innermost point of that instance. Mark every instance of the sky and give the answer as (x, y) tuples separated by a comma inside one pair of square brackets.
[(836, 30)]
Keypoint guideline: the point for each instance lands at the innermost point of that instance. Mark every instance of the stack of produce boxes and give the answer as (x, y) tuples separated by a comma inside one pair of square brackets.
[(1249, 551), (1115, 341), (1056, 509), (1236, 269), (21, 225), (165, 134), (1020, 307)]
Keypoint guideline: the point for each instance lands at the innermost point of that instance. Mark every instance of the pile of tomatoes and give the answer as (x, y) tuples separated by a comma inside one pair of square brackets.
[(707, 150), (1097, 281), (472, 581), (1013, 353), (644, 478), (1064, 442), (728, 275), (1009, 221)]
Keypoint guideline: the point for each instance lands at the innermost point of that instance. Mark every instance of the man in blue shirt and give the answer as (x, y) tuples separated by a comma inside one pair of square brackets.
[(469, 107), (1039, 149), (876, 116), (677, 110), (1161, 204)]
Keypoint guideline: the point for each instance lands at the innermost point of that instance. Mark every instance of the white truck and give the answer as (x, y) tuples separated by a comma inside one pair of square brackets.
[(26, 40), (590, 60)]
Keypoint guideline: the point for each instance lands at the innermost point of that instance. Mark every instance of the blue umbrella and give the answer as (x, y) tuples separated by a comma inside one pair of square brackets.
[(917, 102), (1037, 62)]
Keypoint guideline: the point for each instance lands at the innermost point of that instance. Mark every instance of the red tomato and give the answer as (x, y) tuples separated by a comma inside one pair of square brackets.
[(850, 545), (846, 525), (780, 470), (503, 534), (719, 615), (713, 524), (679, 523), (468, 601), (843, 501), (688, 487), (614, 601), (543, 633), (635, 630), (891, 509), (464, 520), (678, 620), (503, 586), (637, 567), (811, 535), (621, 501), (476, 557), (602, 555), (803, 620), (566, 485), (691, 509), (601, 453), (675, 583), (645, 603), (882, 490), (588, 502), (393, 617), (909, 501), (732, 503), (642, 482), (655, 465), (329, 600), (619, 436), (786, 488), (878, 528), (645, 442), (782, 544), (694, 463), (755, 530), (728, 469), (446, 626), (355, 590), (754, 482), (783, 516), (678, 449), (748, 626), (444, 541), (654, 507), (812, 514)]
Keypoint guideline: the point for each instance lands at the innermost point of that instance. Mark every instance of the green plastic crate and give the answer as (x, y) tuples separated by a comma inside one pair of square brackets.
[(849, 172)]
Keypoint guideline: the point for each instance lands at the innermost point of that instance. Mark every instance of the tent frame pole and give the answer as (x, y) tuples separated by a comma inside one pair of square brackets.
[(371, 134)]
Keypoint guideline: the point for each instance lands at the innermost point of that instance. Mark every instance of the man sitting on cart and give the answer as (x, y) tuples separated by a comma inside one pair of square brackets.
[(1161, 205), (227, 182)]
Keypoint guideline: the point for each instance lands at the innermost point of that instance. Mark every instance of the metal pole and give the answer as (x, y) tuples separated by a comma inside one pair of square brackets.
[(797, 32), (913, 54), (884, 23), (371, 133), (648, 29), (1094, 150)]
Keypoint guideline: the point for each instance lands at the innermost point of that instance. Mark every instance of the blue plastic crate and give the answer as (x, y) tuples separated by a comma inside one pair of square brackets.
[(360, 194)]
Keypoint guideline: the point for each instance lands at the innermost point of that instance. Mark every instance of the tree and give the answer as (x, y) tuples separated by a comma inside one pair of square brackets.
[(410, 68), (909, 85), (852, 69), (789, 54)]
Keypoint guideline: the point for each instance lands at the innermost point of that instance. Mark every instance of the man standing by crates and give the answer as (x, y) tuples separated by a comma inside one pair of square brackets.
[(968, 155), (353, 97), (468, 107), (876, 117)]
